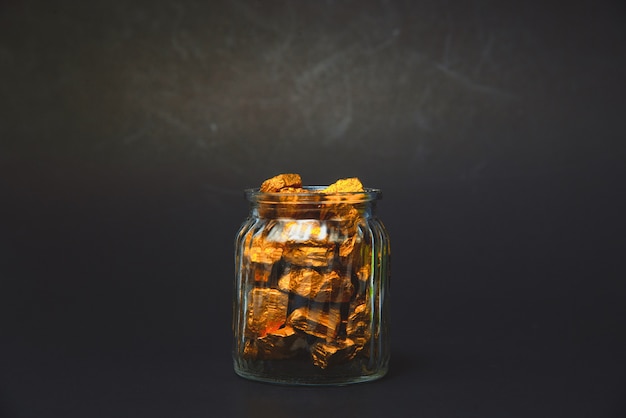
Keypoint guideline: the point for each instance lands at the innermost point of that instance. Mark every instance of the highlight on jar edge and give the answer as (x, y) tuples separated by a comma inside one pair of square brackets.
[(311, 284)]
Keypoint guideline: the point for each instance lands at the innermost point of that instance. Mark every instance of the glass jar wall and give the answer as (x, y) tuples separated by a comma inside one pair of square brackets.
[(311, 289)]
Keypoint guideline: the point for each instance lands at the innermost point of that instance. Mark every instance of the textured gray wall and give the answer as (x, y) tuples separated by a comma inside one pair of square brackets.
[(387, 90)]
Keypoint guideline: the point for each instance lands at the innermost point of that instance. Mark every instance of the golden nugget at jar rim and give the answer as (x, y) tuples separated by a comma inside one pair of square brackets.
[(311, 284)]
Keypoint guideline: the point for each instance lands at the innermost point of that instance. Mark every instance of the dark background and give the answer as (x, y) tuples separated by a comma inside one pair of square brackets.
[(128, 131)]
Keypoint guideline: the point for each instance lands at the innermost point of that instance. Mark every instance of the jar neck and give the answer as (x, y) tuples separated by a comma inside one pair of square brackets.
[(312, 204)]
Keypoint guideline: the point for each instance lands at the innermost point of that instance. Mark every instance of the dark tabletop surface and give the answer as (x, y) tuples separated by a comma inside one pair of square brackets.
[(129, 130)]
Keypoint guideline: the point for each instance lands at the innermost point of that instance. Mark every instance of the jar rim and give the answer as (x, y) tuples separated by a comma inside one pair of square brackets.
[(312, 194)]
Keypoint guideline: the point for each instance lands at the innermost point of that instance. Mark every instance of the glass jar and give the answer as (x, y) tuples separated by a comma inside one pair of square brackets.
[(311, 289)]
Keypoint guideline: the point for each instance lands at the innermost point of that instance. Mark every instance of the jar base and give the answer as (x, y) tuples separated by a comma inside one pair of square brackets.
[(323, 378)]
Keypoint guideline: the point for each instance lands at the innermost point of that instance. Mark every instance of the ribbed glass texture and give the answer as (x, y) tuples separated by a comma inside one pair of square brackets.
[(311, 289)]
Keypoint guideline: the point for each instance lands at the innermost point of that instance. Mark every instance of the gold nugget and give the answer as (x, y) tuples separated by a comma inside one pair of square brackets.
[(348, 185), (309, 255), (250, 349), (280, 344), (315, 321), (359, 324), (309, 283), (275, 184), (325, 354), (258, 249), (347, 246), (364, 273), (267, 310)]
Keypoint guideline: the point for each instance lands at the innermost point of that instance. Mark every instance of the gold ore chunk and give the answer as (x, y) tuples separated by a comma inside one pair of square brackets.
[(309, 283), (309, 255), (358, 327), (261, 272), (250, 350), (315, 321), (263, 251), (364, 273), (267, 310), (280, 344), (346, 247), (325, 354), (352, 184), (276, 183)]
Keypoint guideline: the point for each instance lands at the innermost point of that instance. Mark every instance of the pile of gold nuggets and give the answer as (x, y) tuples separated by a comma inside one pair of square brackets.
[(308, 272)]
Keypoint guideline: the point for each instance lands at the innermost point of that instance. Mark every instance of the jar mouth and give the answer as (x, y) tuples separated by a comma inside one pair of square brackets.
[(312, 194)]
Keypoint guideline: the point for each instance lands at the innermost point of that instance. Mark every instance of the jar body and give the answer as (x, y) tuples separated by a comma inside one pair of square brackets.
[(311, 290)]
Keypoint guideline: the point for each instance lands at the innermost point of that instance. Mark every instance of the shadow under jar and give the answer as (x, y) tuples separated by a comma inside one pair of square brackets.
[(311, 289)]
